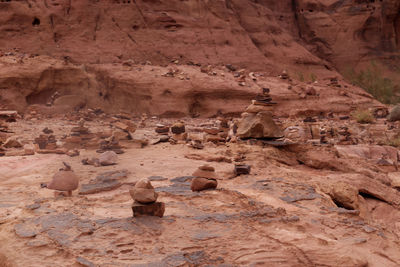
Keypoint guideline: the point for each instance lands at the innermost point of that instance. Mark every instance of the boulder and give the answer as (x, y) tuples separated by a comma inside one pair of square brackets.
[(108, 158), (260, 125), (143, 192), (64, 181), (200, 183), (394, 114), (344, 195)]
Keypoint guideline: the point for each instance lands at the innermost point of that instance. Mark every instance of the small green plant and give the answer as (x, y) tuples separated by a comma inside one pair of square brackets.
[(363, 116), (313, 77), (394, 142), (300, 76)]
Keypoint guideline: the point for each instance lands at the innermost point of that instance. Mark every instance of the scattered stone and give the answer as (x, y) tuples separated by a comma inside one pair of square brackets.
[(108, 158), (242, 169), (230, 67), (29, 149), (47, 131), (24, 230), (33, 206), (73, 153), (153, 209), (85, 262), (143, 192), (197, 144), (178, 128), (8, 115), (157, 178)]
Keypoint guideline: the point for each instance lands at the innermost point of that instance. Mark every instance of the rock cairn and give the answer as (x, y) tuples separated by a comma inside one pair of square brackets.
[(204, 178), (145, 200)]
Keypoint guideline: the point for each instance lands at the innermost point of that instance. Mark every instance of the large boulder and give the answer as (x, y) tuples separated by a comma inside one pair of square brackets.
[(260, 125), (394, 114)]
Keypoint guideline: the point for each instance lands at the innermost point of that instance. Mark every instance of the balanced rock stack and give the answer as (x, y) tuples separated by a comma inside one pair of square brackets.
[(80, 136), (179, 131), (344, 136), (264, 99), (145, 200), (263, 102), (204, 178), (256, 121)]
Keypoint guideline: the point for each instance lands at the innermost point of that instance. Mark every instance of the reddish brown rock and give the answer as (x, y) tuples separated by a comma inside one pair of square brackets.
[(64, 180), (153, 209), (200, 183)]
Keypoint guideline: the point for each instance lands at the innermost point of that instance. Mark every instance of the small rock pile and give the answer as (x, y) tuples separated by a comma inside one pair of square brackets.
[(204, 178), (145, 200), (344, 136), (264, 99)]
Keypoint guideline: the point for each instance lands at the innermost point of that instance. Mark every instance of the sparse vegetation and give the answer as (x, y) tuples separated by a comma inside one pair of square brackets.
[(363, 116), (313, 77), (373, 81), (394, 142), (300, 76)]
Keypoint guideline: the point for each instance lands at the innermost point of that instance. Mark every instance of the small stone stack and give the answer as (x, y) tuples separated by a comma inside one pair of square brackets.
[(145, 200), (80, 136), (205, 178), (323, 135), (284, 75), (46, 141), (110, 144), (162, 129), (8, 115), (179, 131), (264, 99), (334, 82), (344, 135)]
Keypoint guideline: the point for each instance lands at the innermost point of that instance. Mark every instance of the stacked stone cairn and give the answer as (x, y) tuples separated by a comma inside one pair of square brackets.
[(145, 200)]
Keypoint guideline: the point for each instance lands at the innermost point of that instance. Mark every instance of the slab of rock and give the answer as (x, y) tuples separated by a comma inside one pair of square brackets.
[(106, 181), (153, 209), (260, 125), (23, 230), (108, 158), (200, 183)]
